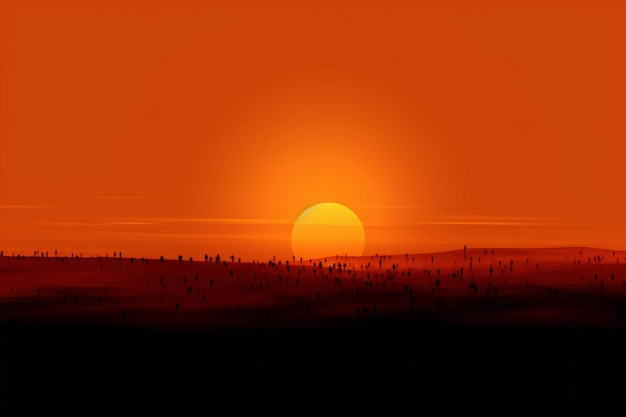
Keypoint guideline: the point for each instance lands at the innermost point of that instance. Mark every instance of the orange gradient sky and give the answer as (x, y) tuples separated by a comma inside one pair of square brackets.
[(192, 127)]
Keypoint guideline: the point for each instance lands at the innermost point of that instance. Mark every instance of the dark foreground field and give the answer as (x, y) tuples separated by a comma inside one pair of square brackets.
[(383, 339), (517, 330), (380, 365)]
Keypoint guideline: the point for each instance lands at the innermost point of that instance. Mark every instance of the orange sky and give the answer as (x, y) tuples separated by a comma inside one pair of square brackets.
[(192, 127)]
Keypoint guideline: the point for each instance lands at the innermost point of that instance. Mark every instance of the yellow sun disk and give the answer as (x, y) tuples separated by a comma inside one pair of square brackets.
[(327, 229)]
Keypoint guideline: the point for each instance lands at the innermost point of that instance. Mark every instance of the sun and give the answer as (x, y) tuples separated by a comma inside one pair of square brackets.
[(327, 229)]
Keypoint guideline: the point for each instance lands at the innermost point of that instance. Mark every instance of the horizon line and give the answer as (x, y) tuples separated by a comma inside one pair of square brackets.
[(379, 254)]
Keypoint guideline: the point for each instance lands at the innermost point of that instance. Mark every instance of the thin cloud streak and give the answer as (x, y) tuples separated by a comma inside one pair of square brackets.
[(22, 206), (247, 221), (162, 221), (211, 237), (476, 220), (120, 197), (100, 224), (486, 223), (130, 223), (70, 224), (394, 207)]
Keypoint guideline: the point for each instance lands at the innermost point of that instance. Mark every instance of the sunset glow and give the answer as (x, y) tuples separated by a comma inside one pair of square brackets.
[(164, 127)]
